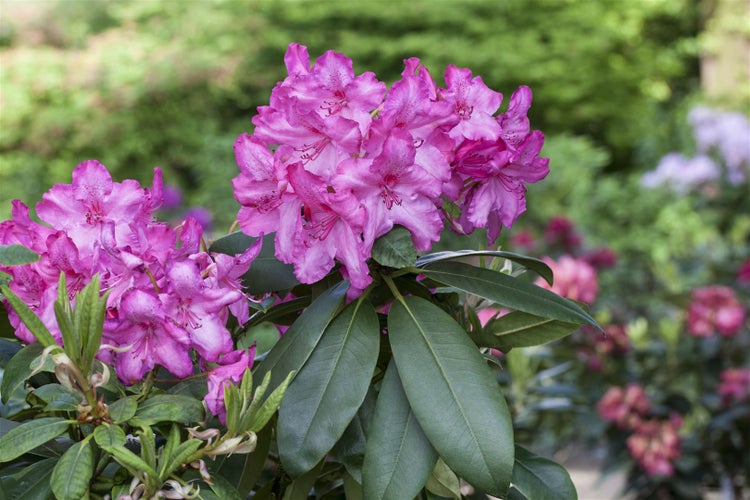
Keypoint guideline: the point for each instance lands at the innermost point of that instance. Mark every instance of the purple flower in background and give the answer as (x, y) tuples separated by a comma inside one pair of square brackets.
[(171, 197), (726, 132), (202, 215), (682, 174)]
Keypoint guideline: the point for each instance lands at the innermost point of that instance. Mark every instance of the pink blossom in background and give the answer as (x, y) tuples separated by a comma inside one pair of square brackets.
[(626, 406), (335, 161), (229, 370), (168, 299), (523, 240), (743, 273), (561, 232), (715, 309), (601, 258), (574, 279), (602, 346), (655, 445), (735, 386)]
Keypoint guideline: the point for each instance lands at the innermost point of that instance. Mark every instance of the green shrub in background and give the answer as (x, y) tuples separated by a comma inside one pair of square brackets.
[(139, 84)]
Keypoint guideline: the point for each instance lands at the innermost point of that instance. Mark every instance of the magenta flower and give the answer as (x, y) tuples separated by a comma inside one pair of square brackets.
[(167, 297), (560, 231), (335, 162), (229, 370), (715, 309), (144, 327)]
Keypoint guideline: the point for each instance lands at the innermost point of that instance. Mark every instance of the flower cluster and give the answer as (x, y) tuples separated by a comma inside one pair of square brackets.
[(735, 386), (718, 136), (715, 309), (600, 348), (654, 442), (624, 406), (336, 160), (168, 299), (575, 279)]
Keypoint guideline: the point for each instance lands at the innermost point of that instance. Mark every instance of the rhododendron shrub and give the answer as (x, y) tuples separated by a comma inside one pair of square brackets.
[(379, 386)]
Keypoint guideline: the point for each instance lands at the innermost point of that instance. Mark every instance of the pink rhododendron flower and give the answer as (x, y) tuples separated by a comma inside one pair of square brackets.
[(167, 298), (735, 386), (229, 370), (624, 406), (561, 232), (743, 273), (715, 309), (335, 161), (574, 279), (656, 444)]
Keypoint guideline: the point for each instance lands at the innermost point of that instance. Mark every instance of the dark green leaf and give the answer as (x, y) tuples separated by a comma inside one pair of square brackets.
[(508, 291), (520, 329), (293, 349), (223, 488), (29, 435), (168, 408), (109, 436), (352, 488), (350, 448), (29, 318), (301, 486), (18, 369), (267, 273), (58, 397), (453, 393), (123, 409), (323, 399), (536, 265), (17, 255), (538, 478), (398, 456), (395, 249), (73, 472), (30, 483)]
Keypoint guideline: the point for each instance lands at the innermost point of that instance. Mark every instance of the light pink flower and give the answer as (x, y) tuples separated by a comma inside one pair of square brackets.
[(715, 309), (574, 279), (735, 386), (624, 406), (656, 444)]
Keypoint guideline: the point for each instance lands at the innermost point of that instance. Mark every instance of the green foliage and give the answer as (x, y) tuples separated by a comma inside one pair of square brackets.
[(141, 84)]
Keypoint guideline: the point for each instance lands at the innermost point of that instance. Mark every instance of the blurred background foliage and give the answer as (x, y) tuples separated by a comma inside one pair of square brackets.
[(137, 84)]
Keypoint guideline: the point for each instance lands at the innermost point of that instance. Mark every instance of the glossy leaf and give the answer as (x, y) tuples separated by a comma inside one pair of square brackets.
[(508, 291), (538, 478), (395, 249), (109, 436), (330, 387), (17, 255), (293, 349), (18, 369), (168, 408), (29, 435), (536, 265), (255, 462), (267, 273), (30, 483), (300, 488), (520, 329), (73, 472), (398, 456), (453, 393)]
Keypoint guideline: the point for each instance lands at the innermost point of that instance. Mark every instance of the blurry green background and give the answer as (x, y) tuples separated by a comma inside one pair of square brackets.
[(136, 84)]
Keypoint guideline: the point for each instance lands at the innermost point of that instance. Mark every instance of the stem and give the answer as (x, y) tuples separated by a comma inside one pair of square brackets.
[(394, 290)]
